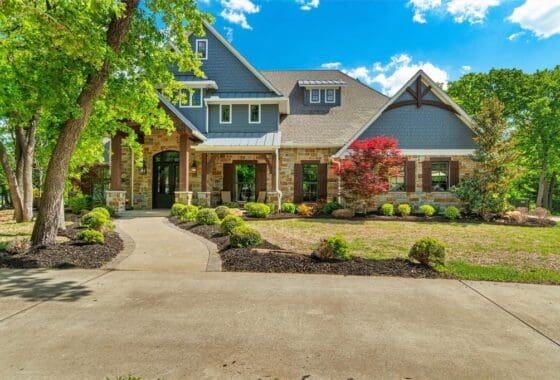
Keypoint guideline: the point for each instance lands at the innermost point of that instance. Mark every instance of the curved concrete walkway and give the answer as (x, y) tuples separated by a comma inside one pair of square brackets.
[(153, 244)]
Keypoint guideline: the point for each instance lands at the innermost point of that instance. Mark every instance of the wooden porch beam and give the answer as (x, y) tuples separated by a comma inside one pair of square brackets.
[(116, 161), (184, 161)]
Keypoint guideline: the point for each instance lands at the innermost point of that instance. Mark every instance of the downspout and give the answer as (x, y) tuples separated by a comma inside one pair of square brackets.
[(277, 177)]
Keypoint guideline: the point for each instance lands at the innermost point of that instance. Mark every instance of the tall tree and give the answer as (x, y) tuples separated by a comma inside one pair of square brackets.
[(117, 55)]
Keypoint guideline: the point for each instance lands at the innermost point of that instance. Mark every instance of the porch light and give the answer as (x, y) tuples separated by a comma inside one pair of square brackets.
[(193, 167), (143, 169)]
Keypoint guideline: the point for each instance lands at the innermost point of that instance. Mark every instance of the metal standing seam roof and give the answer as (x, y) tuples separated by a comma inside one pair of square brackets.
[(318, 82), (270, 139)]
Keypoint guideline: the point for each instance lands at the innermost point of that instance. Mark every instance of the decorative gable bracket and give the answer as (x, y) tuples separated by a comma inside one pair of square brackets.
[(419, 100)]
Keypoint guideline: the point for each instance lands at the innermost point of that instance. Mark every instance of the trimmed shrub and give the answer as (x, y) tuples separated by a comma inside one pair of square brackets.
[(404, 209), (304, 210), (452, 213), (387, 209), (343, 213), (244, 236), (329, 207), (96, 220), (273, 207), (288, 207), (177, 209), (222, 211), (189, 213), (102, 210), (428, 251), (207, 216), (427, 210), (18, 246), (231, 222), (79, 203), (257, 210), (334, 247), (90, 236)]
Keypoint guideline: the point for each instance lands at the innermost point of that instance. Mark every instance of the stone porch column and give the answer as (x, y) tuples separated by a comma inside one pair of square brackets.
[(275, 196), (115, 197), (183, 195)]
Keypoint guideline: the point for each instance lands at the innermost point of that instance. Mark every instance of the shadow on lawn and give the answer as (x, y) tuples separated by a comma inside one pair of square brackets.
[(33, 285)]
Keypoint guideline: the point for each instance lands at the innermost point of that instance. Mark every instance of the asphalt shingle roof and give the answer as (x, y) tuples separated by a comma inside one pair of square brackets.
[(322, 125)]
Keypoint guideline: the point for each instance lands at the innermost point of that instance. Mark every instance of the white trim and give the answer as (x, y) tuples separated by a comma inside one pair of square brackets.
[(249, 108), (311, 96), (437, 91), (181, 117), (252, 69), (438, 152), (234, 149), (190, 96), (196, 47), (230, 114), (327, 96), (199, 84), (308, 146), (283, 102)]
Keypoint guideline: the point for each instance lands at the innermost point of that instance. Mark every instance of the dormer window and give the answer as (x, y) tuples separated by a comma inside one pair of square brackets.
[(191, 99), (201, 49), (315, 96), (330, 95)]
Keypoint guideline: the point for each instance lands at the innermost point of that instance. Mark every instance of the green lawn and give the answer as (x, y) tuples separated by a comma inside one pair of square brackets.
[(474, 251), (10, 230)]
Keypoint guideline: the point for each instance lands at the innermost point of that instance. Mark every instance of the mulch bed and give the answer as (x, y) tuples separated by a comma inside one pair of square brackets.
[(265, 259), (69, 254)]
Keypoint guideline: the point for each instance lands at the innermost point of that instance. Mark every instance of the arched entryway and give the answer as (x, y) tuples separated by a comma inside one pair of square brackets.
[(165, 178)]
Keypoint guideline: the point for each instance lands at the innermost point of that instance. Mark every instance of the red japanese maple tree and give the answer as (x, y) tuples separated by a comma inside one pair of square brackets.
[(367, 168)]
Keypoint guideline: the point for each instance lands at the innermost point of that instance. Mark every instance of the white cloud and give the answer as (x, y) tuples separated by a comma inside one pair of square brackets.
[(229, 33), (471, 11), (235, 11), (514, 36), (307, 5), (392, 76), (466, 68), (540, 17), (331, 65)]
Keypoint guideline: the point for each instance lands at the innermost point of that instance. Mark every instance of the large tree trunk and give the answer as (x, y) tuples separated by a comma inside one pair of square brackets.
[(15, 191), (26, 145), (45, 230), (551, 190), (542, 193)]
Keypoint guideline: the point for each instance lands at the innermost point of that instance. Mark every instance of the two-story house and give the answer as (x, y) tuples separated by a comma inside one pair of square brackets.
[(245, 135)]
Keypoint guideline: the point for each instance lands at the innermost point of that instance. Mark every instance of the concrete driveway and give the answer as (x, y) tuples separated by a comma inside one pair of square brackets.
[(94, 324)]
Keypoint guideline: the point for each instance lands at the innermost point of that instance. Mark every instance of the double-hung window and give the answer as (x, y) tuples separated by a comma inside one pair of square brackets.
[(201, 49), (254, 113), (440, 176), (310, 174), (225, 113), (191, 98), (314, 95), (330, 95), (398, 183)]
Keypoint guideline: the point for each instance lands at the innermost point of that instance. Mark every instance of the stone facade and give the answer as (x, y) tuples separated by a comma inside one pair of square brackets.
[(116, 199), (160, 141)]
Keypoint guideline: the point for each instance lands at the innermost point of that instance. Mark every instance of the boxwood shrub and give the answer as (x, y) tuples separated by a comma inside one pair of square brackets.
[(334, 247), (102, 210), (244, 236), (222, 211), (452, 213), (177, 209), (90, 236), (428, 251), (96, 220), (387, 209), (288, 207), (404, 209), (257, 210), (207, 216), (427, 210), (329, 207), (231, 222), (188, 213)]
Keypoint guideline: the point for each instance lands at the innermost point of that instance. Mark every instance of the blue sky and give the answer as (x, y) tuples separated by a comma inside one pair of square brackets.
[(382, 42)]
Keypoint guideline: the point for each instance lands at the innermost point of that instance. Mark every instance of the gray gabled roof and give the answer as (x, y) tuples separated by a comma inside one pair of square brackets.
[(239, 141), (319, 125)]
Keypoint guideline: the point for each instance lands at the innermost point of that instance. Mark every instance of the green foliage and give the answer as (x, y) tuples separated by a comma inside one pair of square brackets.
[(404, 209), (244, 236), (387, 209), (427, 210), (231, 222), (222, 211), (102, 210), (273, 207), (178, 208), (329, 207), (91, 236), (428, 251), (334, 247), (189, 213), (288, 207), (207, 216), (96, 220), (79, 203), (257, 210), (452, 213)]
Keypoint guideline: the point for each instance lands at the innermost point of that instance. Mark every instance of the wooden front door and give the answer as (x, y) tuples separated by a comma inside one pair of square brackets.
[(165, 179)]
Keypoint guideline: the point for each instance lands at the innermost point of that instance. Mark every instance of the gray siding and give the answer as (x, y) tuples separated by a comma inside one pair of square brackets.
[(426, 127), (307, 96), (240, 119)]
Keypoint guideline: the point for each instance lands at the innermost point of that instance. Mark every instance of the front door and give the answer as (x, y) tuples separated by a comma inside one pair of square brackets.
[(165, 179), (245, 182)]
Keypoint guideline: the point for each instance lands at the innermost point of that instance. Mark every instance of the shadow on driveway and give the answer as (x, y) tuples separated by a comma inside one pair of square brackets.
[(35, 285)]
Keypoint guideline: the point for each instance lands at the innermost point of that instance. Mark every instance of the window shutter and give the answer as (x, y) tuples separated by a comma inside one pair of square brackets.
[(453, 173), (298, 183), (427, 176), (228, 177), (410, 176), (261, 177), (322, 179)]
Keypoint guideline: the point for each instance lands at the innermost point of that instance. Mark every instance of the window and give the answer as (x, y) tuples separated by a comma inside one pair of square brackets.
[(330, 95), (202, 49), (254, 113), (440, 176), (191, 99), (315, 96), (310, 182), (398, 183), (225, 113)]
